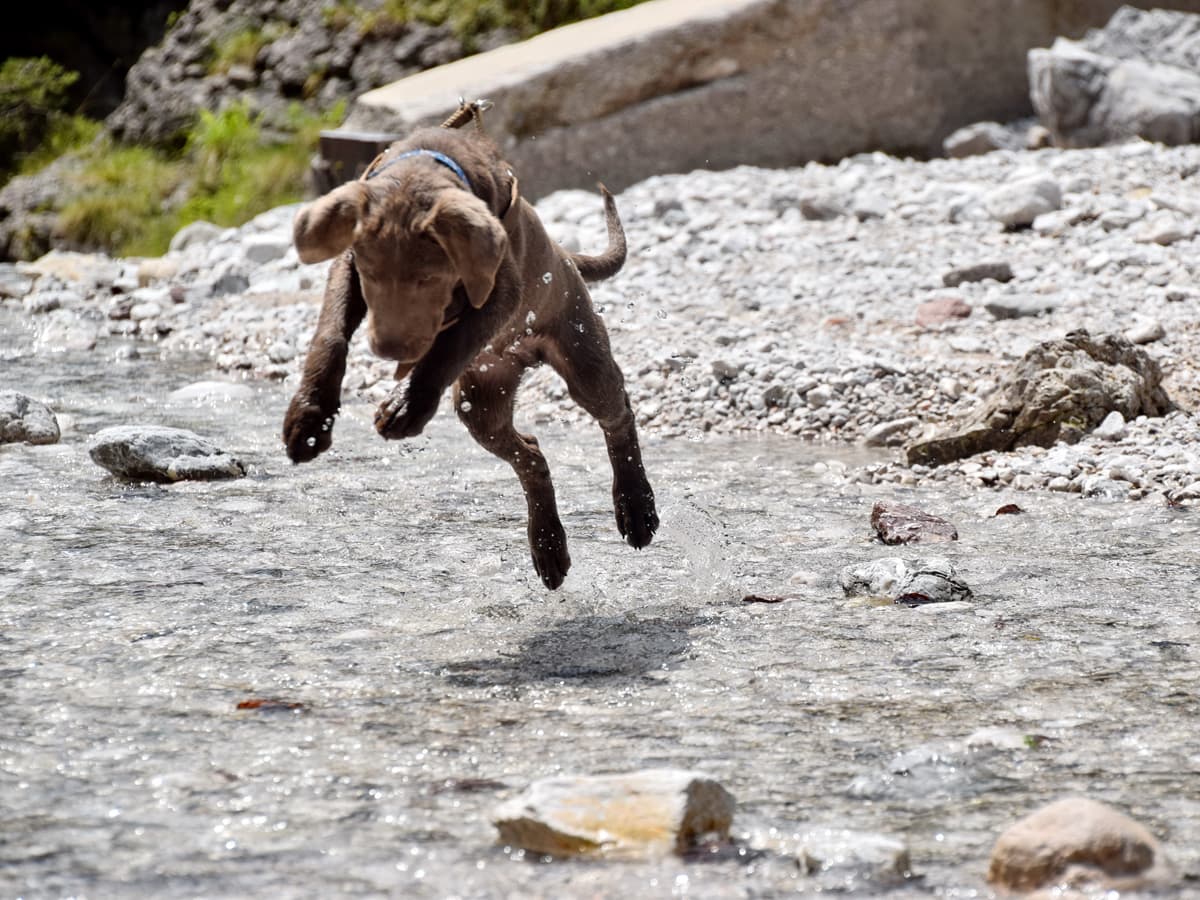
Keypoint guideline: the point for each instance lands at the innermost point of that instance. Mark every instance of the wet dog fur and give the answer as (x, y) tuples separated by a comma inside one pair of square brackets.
[(453, 285)]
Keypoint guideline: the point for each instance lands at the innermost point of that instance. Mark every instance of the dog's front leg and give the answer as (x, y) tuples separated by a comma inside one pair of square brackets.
[(410, 406), (308, 424)]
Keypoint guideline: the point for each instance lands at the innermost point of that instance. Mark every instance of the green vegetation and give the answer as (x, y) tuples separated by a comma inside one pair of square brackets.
[(33, 97), (133, 199), (470, 19), (229, 166), (240, 48), (66, 134)]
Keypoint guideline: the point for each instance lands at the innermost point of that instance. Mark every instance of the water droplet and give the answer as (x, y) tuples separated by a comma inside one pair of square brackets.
[(312, 441), (465, 406), (531, 317), (547, 278), (661, 314)]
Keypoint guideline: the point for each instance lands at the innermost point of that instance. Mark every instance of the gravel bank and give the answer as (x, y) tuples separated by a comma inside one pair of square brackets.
[(869, 301)]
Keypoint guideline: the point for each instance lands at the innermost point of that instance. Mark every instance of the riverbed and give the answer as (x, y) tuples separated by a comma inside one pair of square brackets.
[(319, 680)]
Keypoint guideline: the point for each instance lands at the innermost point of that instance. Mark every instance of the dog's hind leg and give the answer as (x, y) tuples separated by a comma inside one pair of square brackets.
[(484, 397), (580, 353)]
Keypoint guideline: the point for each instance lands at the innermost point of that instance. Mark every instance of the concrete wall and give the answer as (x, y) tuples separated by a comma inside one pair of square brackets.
[(674, 85)]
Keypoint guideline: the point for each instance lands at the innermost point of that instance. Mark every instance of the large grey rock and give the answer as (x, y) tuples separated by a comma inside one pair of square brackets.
[(25, 420), (1081, 844), (594, 99), (640, 814), (1138, 77), (1059, 391), (158, 453)]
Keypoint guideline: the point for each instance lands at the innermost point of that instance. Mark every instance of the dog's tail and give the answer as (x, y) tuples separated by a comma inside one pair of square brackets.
[(608, 263)]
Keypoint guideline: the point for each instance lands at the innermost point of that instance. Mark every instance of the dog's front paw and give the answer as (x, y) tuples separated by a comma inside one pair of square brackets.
[(548, 546), (402, 415), (307, 430), (637, 519)]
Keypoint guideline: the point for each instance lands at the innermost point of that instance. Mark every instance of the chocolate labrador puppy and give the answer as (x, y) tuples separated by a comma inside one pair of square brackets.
[(461, 285)]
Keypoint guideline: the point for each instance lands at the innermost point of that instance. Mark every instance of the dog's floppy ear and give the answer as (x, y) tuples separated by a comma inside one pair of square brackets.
[(325, 227), (472, 237)]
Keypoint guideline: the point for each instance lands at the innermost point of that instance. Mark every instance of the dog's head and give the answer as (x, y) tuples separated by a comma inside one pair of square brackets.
[(418, 230)]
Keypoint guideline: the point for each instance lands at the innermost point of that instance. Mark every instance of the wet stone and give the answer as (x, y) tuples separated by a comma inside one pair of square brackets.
[(24, 420), (825, 849), (898, 523), (905, 582), (1078, 843), (645, 814), (211, 392), (158, 453)]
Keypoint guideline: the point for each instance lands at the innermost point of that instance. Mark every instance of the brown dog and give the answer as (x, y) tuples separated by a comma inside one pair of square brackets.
[(460, 284)]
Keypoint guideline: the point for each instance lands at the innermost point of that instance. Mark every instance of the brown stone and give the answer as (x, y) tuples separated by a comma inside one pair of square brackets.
[(1075, 843), (643, 814), (897, 523), (941, 310)]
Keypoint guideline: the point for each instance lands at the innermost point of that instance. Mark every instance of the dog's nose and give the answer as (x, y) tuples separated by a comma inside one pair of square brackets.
[(403, 348)]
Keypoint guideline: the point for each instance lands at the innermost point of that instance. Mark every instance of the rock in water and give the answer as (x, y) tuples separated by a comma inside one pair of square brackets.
[(898, 523), (1060, 390), (640, 814), (857, 855), (157, 453), (1079, 843), (905, 582), (25, 420)]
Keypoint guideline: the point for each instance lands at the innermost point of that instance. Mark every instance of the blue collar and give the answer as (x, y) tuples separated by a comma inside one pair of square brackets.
[(434, 154)]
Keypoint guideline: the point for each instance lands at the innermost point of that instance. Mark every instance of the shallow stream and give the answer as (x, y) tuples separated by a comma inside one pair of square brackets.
[(382, 600)]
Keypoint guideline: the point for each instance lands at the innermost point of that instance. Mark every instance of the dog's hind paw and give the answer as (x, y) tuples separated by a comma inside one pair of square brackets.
[(637, 519)]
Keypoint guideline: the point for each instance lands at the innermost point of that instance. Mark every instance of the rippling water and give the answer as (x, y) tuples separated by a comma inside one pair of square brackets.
[(383, 597)]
